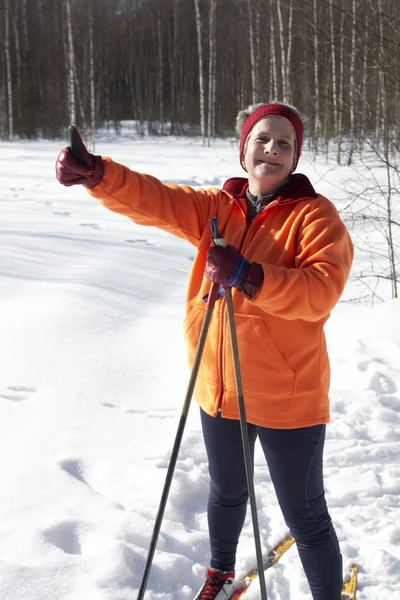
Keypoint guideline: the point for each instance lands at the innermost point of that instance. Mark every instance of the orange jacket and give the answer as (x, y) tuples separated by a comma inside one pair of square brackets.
[(306, 254)]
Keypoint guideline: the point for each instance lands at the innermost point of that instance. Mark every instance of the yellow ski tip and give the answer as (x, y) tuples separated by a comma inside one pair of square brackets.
[(350, 585)]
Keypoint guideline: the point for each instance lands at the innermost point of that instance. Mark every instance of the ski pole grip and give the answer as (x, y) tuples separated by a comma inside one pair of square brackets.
[(75, 145), (217, 238)]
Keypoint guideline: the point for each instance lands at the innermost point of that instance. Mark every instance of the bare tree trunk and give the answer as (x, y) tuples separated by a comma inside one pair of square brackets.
[(317, 118), (8, 70), (341, 86), (289, 53), (381, 98), (285, 52), (174, 66), (3, 111), (364, 85), (352, 84), (71, 66), (211, 72), (333, 70), (252, 54), (91, 78), (273, 64), (17, 47), (160, 73), (257, 53), (25, 26), (391, 242), (78, 96), (391, 194), (201, 78)]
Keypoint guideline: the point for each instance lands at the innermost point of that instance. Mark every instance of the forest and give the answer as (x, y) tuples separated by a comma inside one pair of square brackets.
[(185, 67)]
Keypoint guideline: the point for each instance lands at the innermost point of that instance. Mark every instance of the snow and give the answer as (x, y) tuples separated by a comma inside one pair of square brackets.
[(92, 381)]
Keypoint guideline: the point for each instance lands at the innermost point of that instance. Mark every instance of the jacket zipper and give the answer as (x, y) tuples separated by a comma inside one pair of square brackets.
[(225, 320), (223, 300)]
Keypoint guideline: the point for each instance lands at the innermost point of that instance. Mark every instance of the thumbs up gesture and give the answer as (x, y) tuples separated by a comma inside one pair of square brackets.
[(76, 166)]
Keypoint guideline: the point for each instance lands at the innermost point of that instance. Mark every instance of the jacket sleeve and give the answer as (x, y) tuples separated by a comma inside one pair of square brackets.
[(324, 256), (176, 209)]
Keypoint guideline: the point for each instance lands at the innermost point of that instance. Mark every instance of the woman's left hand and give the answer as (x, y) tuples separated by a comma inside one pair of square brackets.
[(226, 266)]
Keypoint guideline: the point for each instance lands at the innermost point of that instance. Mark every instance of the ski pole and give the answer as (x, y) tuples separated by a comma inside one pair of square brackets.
[(245, 442), (218, 240), (182, 422)]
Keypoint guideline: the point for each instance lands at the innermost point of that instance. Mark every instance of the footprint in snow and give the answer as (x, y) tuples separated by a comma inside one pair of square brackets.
[(157, 413), (91, 225), (369, 364), (390, 402), (65, 536), (18, 393), (382, 384), (141, 242), (76, 469)]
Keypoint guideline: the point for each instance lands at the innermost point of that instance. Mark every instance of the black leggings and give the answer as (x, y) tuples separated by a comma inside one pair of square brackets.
[(294, 458)]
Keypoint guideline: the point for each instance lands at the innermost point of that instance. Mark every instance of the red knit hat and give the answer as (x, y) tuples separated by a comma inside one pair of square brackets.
[(278, 110)]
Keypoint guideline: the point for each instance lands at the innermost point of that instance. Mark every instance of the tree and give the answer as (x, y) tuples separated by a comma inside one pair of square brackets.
[(70, 61), (10, 107), (201, 74), (212, 80)]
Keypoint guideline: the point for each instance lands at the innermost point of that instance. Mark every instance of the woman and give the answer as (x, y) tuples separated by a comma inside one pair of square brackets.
[(295, 256)]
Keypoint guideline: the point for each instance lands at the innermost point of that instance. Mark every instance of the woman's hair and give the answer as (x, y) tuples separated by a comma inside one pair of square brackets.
[(243, 114)]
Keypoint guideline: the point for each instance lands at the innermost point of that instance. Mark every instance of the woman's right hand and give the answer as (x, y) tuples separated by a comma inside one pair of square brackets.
[(76, 166)]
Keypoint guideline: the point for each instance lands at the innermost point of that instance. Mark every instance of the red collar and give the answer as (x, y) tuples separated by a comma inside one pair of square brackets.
[(299, 188)]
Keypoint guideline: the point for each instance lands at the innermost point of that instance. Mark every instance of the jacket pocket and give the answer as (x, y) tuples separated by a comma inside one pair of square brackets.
[(192, 329), (210, 363), (264, 370)]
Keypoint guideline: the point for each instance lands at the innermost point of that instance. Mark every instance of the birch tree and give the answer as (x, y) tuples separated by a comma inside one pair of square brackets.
[(7, 18), (70, 65), (212, 71), (91, 79), (157, 60), (25, 36), (333, 71), (273, 64), (352, 108), (364, 83), (381, 95), (317, 117), (341, 89), (200, 66), (160, 77), (174, 63), (253, 64), (18, 60), (285, 47)]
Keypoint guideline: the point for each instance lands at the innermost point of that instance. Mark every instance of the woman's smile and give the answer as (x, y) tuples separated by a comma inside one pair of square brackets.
[(269, 154)]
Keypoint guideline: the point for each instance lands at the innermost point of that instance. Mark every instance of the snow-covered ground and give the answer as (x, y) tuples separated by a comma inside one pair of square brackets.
[(92, 380)]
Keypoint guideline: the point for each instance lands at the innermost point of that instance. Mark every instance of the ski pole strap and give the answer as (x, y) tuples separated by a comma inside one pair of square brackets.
[(241, 266), (238, 273), (217, 240), (215, 233), (220, 293)]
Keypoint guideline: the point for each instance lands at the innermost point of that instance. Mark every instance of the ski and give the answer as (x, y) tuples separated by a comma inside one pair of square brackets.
[(272, 557), (350, 585)]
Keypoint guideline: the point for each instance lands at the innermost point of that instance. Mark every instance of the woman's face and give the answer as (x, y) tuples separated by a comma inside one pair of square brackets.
[(269, 154)]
